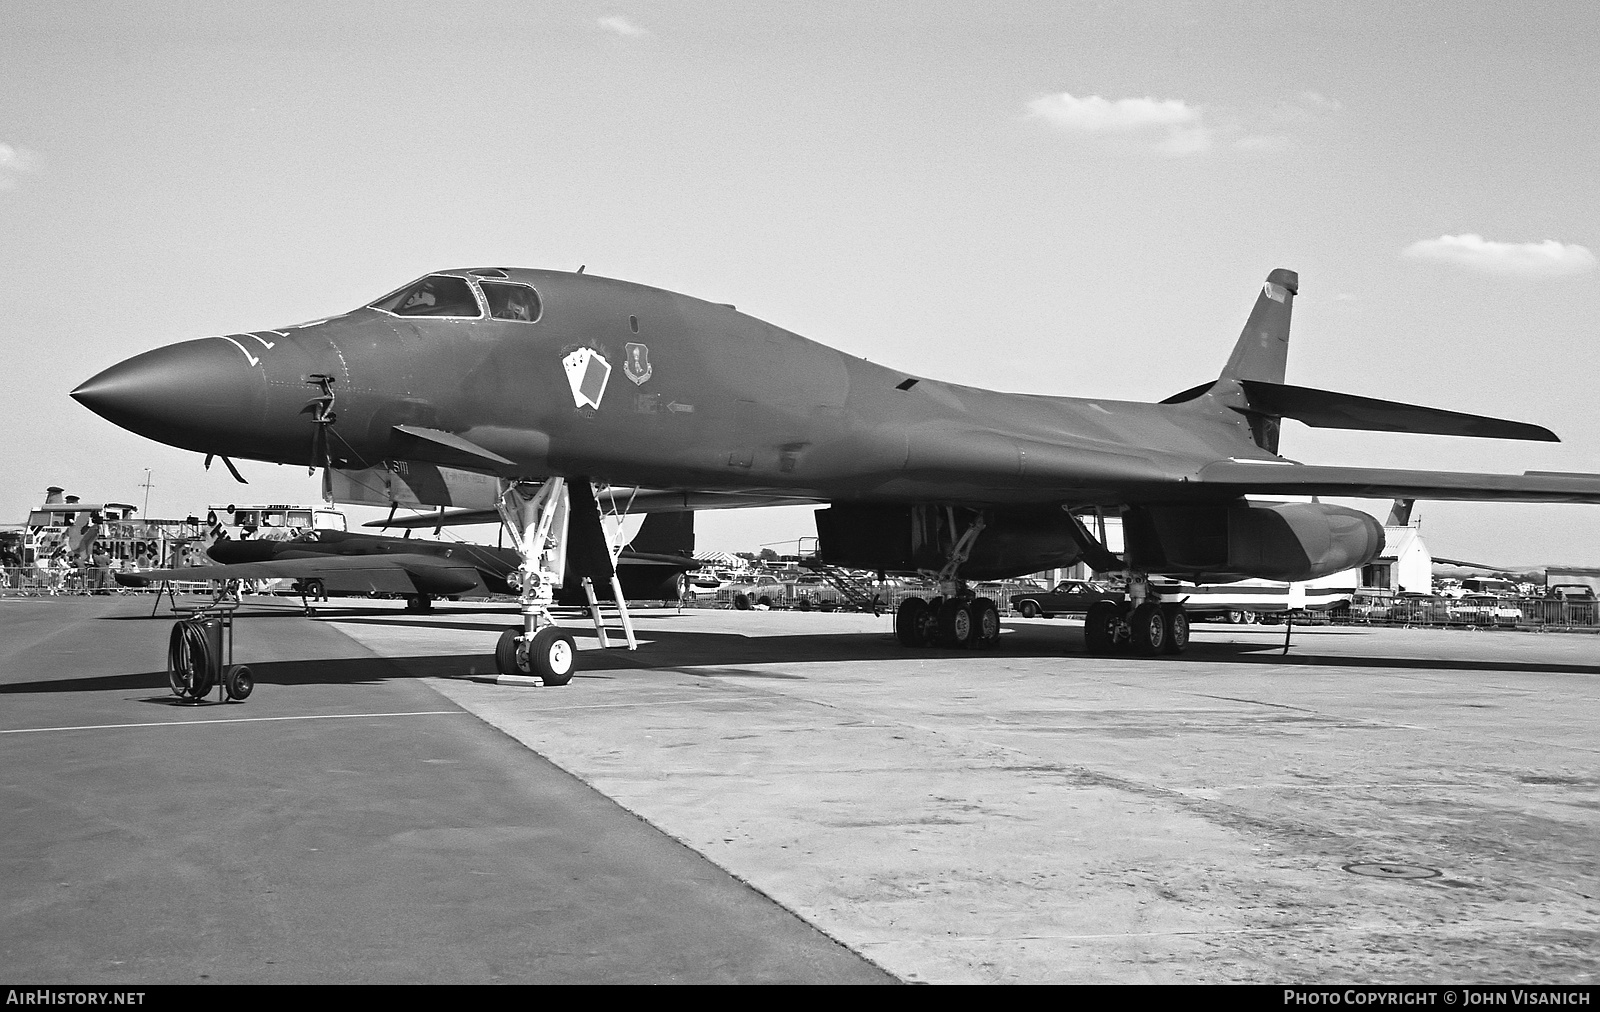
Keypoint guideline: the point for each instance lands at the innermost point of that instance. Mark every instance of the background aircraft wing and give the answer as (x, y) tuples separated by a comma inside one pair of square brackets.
[(394, 574), (1272, 478)]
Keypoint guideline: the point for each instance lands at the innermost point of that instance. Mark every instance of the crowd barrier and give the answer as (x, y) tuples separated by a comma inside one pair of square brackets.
[(1504, 613), (34, 581)]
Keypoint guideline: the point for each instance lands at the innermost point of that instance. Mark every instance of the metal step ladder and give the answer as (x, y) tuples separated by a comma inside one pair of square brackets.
[(858, 592), (622, 613)]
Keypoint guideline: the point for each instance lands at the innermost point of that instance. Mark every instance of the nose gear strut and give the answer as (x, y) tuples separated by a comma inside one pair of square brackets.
[(540, 526), (322, 416)]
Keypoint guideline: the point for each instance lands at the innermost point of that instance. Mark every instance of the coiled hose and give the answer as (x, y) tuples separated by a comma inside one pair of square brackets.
[(190, 663)]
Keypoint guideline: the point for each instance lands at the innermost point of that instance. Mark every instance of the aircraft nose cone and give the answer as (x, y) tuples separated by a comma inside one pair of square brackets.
[(200, 395)]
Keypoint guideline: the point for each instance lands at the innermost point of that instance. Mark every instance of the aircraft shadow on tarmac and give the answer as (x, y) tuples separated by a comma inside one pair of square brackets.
[(683, 649), (715, 654), (341, 671)]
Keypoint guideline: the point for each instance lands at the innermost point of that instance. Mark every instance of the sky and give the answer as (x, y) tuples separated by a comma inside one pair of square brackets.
[(1072, 199)]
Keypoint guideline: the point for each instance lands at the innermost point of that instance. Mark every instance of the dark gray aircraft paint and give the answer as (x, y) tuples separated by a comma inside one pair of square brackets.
[(531, 373)]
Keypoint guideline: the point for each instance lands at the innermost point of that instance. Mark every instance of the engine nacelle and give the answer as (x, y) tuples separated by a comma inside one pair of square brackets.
[(1241, 540)]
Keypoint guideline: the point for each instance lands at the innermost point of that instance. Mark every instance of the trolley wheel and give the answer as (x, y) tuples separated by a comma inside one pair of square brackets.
[(505, 653), (189, 661), (553, 655), (239, 682)]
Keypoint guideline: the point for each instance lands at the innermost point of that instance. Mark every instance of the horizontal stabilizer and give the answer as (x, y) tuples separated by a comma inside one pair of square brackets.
[(1326, 409)]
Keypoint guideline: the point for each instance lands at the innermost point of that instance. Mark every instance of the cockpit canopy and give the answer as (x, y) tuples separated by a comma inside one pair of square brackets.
[(452, 297)]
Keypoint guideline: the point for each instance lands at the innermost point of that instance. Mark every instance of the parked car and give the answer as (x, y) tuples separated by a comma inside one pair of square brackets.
[(1067, 597), (705, 582), (810, 591), (1371, 606), (1482, 610), (765, 591), (1507, 611), (1413, 608)]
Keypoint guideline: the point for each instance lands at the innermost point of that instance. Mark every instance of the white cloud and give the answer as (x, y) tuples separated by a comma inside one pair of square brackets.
[(621, 26), (1170, 126), (1175, 127), (14, 162), (1543, 259)]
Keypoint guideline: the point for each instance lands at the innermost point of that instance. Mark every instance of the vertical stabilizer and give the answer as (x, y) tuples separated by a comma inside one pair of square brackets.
[(665, 534), (1263, 348)]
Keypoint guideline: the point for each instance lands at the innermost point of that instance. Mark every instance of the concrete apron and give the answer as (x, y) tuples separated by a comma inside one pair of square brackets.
[(1037, 815)]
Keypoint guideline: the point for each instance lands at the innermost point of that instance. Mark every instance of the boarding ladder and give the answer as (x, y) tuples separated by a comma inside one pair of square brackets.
[(858, 592)]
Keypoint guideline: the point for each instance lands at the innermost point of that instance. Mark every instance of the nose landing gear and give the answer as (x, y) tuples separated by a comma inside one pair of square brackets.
[(540, 526), (551, 654)]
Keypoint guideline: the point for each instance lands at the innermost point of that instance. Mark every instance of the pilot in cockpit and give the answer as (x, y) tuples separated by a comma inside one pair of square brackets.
[(422, 297), (517, 309)]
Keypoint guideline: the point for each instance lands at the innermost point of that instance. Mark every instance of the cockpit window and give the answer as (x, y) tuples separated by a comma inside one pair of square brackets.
[(511, 302), (434, 295)]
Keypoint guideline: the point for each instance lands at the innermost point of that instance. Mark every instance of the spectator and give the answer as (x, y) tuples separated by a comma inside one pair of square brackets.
[(100, 582)]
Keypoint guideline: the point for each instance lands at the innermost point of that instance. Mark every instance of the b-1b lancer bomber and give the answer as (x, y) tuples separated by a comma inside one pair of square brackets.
[(544, 384)]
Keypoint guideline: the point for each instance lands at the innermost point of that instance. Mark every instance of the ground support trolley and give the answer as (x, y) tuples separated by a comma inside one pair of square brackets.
[(200, 654)]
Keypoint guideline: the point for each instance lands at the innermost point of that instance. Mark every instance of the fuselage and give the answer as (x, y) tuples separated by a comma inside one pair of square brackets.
[(622, 383)]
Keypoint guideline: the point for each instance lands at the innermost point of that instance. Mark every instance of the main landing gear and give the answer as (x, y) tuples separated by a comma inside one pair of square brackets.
[(960, 622), (956, 618), (1147, 628)]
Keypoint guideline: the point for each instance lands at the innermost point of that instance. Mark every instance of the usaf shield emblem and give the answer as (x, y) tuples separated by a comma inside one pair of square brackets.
[(637, 366)]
